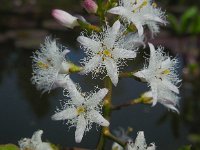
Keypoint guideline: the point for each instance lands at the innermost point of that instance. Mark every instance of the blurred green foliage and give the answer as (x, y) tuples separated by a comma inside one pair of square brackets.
[(187, 23), (9, 147)]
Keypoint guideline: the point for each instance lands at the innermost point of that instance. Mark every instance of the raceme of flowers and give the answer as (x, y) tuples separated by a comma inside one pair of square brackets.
[(35, 143), (107, 51)]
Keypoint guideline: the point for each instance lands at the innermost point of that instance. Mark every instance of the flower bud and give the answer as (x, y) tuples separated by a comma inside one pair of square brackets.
[(90, 6), (65, 18)]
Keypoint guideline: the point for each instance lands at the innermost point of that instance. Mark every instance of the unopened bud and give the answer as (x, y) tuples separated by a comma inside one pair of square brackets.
[(90, 6), (65, 18)]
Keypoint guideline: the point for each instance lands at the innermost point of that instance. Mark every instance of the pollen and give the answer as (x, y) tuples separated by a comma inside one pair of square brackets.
[(154, 4), (166, 72), (80, 110), (42, 65), (107, 53)]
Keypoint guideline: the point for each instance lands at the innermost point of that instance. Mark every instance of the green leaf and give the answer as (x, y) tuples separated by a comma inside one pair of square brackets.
[(187, 17), (187, 147), (9, 147), (173, 23)]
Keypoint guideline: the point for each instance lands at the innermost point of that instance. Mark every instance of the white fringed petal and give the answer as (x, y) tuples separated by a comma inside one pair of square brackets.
[(109, 40), (112, 70), (80, 129), (97, 118), (171, 86), (73, 92), (123, 53), (37, 136), (68, 113), (96, 98), (92, 64), (89, 43)]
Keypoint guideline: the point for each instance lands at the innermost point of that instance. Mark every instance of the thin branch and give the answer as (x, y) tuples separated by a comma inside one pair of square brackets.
[(129, 75)]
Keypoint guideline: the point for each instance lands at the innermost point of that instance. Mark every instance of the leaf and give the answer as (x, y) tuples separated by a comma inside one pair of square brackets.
[(173, 23), (187, 147), (8, 147), (186, 18)]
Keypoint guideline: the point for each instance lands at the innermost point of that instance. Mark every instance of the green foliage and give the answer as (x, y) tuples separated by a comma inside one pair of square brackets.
[(188, 23), (187, 147), (9, 147)]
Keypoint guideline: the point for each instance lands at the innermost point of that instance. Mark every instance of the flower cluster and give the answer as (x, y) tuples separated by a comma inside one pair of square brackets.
[(107, 49)]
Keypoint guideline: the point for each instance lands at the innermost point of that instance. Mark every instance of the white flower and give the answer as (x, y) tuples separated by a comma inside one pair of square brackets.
[(108, 50), (140, 143), (65, 18), (160, 74), (82, 111), (140, 13), (35, 143), (49, 65)]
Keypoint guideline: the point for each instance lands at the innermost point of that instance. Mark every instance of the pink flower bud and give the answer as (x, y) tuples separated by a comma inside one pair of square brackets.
[(90, 6), (65, 18)]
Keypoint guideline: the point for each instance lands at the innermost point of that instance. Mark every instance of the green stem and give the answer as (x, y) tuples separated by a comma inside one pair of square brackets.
[(129, 75)]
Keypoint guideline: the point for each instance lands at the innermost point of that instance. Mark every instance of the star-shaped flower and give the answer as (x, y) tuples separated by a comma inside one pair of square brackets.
[(161, 74), (35, 143), (108, 50), (140, 13), (140, 143), (82, 111), (49, 65)]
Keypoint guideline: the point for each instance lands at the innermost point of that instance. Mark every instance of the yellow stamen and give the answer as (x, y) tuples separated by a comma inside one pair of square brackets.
[(80, 110), (144, 3), (154, 4), (107, 53), (42, 65), (166, 72)]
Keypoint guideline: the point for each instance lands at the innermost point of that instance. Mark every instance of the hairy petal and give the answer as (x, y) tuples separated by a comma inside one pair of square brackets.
[(89, 43), (171, 86), (37, 136), (112, 70), (80, 129), (73, 92), (123, 53), (96, 117), (112, 34), (92, 64), (68, 113), (97, 97)]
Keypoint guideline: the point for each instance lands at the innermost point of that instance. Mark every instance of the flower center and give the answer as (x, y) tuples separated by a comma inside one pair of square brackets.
[(80, 110), (154, 4), (42, 65), (166, 72), (105, 53)]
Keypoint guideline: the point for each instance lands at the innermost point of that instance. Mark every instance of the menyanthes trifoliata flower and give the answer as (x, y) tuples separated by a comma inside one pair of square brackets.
[(140, 143), (35, 143), (140, 13), (81, 111), (108, 50), (161, 75), (49, 65)]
